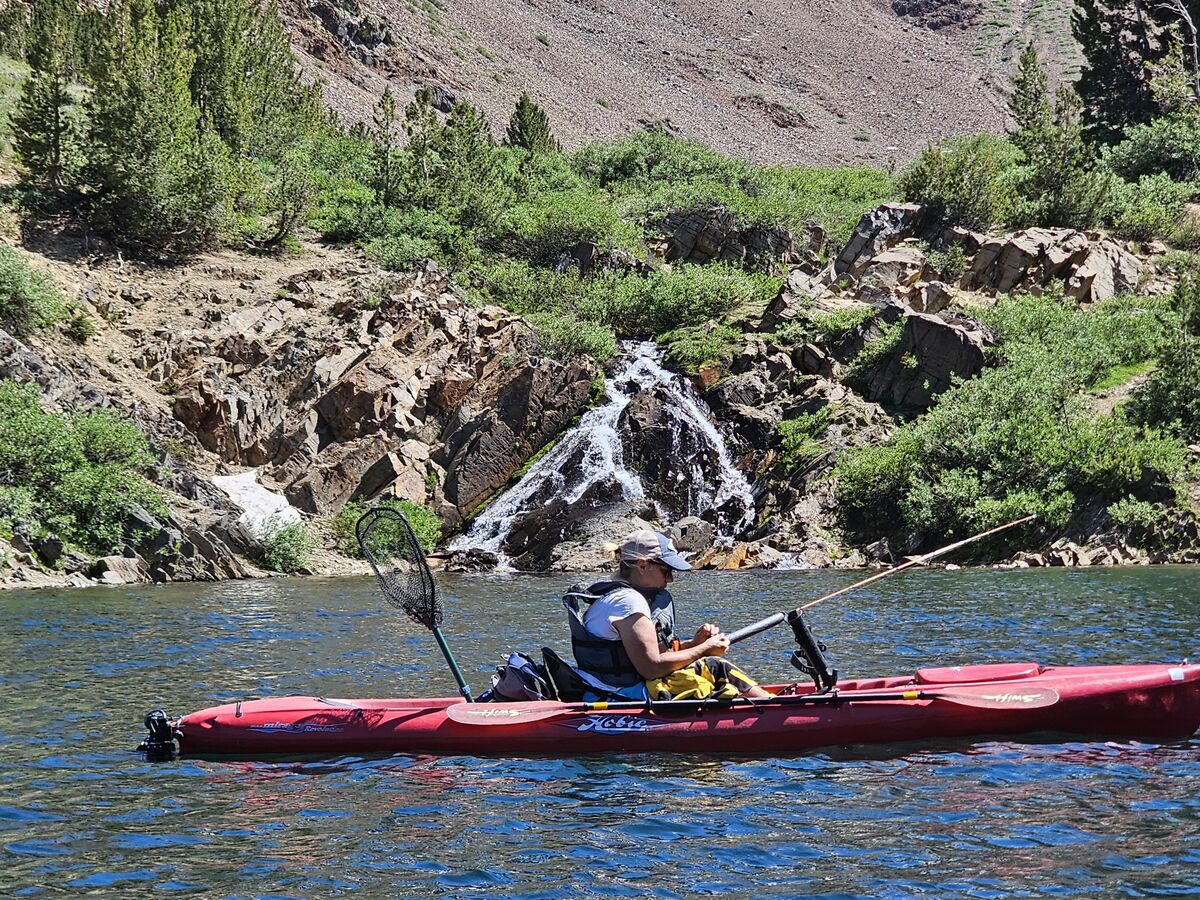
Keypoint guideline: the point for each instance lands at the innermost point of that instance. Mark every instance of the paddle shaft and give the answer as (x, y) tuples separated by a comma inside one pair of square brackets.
[(1005, 696), (771, 621)]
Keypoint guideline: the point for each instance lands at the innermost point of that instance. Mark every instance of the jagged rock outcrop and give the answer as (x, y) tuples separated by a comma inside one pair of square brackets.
[(170, 548), (878, 230), (705, 235), (418, 395), (901, 266), (532, 406), (1093, 265)]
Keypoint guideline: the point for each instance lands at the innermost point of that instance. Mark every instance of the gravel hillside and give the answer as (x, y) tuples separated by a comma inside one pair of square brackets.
[(786, 82)]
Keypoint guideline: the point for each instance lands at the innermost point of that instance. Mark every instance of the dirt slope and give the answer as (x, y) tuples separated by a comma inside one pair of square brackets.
[(787, 82)]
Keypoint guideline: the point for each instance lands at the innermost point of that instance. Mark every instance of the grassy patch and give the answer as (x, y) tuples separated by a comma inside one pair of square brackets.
[(1119, 375)]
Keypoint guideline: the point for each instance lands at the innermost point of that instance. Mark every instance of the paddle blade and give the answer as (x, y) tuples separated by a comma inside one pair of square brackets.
[(505, 713), (996, 697)]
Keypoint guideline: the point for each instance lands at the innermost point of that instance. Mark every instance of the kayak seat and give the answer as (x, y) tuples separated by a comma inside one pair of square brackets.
[(965, 674)]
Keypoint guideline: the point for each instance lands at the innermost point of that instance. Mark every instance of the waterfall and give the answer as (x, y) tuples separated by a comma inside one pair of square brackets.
[(596, 444)]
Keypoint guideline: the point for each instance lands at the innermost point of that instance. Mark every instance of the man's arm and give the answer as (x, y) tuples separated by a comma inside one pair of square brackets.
[(641, 643)]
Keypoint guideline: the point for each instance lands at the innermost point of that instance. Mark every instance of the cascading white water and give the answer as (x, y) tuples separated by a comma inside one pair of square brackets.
[(597, 444)]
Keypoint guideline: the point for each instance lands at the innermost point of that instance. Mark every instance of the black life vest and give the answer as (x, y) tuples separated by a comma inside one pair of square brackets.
[(607, 660)]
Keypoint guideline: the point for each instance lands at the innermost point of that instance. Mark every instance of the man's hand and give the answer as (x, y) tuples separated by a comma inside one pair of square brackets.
[(705, 631)]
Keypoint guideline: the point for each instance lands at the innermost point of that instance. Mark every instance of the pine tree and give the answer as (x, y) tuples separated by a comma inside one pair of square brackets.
[(1059, 179), (14, 25), (1029, 103), (471, 189), (529, 127), (423, 128), (385, 140), (1121, 42), (46, 122), (218, 83), (157, 169)]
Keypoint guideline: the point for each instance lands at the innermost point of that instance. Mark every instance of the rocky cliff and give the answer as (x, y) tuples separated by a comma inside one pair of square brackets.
[(335, 381)]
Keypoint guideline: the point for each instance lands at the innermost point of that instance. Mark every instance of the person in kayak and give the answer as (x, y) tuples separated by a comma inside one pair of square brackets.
[(623, 632)]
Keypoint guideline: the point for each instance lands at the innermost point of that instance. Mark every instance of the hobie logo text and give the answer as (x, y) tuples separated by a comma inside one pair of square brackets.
[(618, 724)]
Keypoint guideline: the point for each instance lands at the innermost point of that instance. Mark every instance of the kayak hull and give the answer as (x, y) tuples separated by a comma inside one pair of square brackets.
[(1149, 701)]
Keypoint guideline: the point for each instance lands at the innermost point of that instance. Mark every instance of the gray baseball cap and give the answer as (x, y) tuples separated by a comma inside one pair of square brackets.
[(646, 544)]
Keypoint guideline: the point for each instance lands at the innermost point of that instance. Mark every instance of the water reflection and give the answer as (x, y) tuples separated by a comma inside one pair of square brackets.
[(79, 813)]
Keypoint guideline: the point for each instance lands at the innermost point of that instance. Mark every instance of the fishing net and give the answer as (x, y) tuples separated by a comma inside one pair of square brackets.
[(391, 547)]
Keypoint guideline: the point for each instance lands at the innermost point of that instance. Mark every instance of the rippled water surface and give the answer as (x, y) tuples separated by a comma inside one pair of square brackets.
[(81, 814)]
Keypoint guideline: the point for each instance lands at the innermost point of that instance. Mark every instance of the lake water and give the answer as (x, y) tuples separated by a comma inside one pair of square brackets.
[(82, 814)]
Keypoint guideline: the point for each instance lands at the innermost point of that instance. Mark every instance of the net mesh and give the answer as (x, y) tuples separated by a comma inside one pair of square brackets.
[(391, 547)]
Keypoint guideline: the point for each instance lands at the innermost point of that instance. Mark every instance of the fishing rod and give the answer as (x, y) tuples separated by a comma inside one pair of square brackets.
[(771, 621)]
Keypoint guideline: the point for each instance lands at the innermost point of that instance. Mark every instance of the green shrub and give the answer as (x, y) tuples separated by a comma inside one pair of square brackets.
[(1170, 144), (542, 227), (666, 300), (801, 437), (29, 300), (81, 328), (838, 324), (1170, 398), (562, 336), (516, 285), (286, 548), (1022, 437), (426, 525), (876, 351), (949, 262), (1149, 208), (690, 349), (400, 253), (652, 172), (77, 476), (968, 181), (1135, 515)]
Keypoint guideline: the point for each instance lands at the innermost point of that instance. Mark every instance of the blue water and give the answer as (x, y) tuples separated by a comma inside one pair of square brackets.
[(81, 814)]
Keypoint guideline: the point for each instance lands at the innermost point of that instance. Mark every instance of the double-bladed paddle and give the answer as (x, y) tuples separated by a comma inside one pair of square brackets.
[(1000, 696), (391, 547)]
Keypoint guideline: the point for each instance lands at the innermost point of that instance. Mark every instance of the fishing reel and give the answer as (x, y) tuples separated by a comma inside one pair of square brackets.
[(810, 658)]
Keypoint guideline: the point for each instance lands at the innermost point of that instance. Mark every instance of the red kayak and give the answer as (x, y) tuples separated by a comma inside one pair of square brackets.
[(1146, 701)]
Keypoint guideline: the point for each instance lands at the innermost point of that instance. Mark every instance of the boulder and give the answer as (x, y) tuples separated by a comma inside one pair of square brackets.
[(336, 475), (473, 560), (932, 351), (899, 267), (692, 535), (1094, 266), (878, 230), (670, 453), (363, 402), (50, 549), (239, 425), (120, 570), (1106, 271), (713, 233), (929, 297), (747, 389), (797, 295)]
